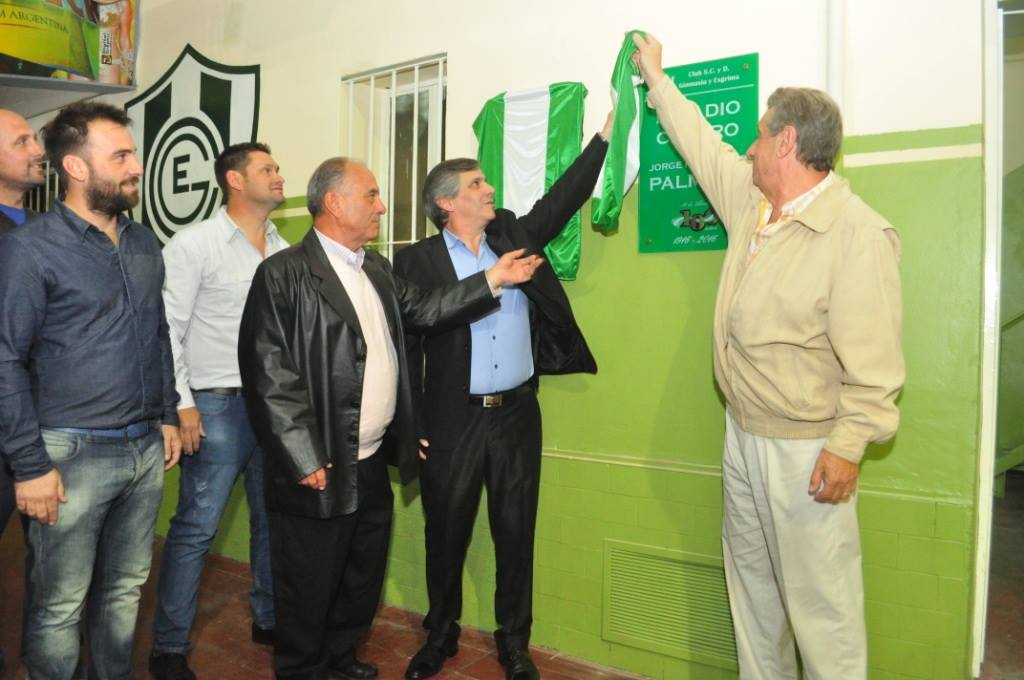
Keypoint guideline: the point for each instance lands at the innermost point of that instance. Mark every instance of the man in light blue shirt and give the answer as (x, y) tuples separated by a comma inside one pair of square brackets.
[(501, 358), (210, 266), (476, 390)]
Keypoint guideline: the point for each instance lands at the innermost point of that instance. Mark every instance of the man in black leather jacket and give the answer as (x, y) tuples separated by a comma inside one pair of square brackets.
[(323, 364)]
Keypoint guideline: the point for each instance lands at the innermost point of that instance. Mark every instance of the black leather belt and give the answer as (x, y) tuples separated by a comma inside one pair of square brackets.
[(499, 398), (222, 391)]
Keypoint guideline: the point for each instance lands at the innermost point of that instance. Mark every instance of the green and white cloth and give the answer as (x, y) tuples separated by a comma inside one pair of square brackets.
[(622, 163), (526, 140)]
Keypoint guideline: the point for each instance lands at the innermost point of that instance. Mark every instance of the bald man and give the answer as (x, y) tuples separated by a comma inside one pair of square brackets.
[(21, 169)]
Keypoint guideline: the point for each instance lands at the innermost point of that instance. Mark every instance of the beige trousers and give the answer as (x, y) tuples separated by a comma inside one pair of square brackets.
[(792, 565)]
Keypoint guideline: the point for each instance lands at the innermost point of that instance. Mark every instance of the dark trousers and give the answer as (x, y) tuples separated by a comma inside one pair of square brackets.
[(499, 450), (328, 575), (7, 501)]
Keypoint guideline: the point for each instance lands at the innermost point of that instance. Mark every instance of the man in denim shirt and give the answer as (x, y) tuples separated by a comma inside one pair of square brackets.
[(88, 417), (21, 169)]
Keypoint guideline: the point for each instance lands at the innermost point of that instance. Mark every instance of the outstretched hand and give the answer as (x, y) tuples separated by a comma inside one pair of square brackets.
[(513, 267), (648, 58)]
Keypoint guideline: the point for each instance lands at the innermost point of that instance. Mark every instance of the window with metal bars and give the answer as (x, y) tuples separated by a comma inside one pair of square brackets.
[(393, 120), (45, 195)]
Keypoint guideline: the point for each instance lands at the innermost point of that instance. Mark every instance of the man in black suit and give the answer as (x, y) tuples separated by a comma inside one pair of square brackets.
[(21, 169), (476, 386), (322, 359)]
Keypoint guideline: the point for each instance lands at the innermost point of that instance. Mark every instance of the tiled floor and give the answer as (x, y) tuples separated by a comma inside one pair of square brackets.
[(1004, 637), (223, 650)]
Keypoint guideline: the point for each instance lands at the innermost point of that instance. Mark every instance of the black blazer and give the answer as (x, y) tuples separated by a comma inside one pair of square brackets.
[(302, 356), (441, 361)]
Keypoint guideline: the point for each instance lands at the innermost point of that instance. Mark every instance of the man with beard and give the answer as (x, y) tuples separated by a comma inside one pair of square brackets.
[(209, 268), (88, 410), (21, 168)]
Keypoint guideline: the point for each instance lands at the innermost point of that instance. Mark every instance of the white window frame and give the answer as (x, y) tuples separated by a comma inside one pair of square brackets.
[(379, 151)]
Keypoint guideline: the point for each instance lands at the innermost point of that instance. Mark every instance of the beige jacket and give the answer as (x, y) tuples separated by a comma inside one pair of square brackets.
[(807, 337)]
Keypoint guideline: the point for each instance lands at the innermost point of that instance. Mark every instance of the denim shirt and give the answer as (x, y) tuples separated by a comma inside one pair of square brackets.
[(83, 337)]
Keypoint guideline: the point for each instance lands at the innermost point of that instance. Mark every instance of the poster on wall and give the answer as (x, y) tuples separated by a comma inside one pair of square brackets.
[(674, 214), (90, 40), (181, 124)]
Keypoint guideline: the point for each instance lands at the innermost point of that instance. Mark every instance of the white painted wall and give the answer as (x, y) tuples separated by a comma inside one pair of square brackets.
[(912, 65), (908, 66)]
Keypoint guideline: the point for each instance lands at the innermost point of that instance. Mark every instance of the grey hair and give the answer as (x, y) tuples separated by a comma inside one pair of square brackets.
[(326, 177), (817, 121), (443, 182)]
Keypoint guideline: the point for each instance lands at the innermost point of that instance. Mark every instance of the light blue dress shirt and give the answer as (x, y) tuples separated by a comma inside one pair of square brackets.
[(502, 357)]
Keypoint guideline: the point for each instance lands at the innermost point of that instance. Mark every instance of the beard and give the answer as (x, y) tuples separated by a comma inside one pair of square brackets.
[(110, 198)]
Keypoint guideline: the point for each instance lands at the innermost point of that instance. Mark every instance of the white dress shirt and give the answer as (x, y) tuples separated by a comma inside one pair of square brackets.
[(209, 266), (380, 377)]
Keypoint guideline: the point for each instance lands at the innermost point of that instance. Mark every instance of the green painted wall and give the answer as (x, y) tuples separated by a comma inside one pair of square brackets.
[(1011, 350), (632, 453)]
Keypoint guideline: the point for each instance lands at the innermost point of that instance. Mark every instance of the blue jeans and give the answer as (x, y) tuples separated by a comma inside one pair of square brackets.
[(100, 548), (207, 477)]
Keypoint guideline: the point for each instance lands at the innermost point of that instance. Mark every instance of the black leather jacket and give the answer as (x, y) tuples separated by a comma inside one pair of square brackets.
[(302, 357)]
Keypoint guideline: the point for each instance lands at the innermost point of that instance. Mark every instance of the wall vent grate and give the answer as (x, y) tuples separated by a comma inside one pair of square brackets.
[(667, 601)]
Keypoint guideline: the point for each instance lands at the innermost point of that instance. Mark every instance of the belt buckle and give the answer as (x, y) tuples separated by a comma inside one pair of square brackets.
[(491, 400)]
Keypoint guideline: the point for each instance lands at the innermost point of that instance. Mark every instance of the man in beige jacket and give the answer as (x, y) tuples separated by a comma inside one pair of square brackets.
[(807, 353)]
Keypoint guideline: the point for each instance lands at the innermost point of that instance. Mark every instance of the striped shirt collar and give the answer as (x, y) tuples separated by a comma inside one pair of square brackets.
[(789, 210), (352, 258), (804, 200)]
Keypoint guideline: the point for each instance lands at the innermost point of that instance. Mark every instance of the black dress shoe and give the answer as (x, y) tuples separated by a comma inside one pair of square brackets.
[(518, 665), (430, 659), (355, 670), (262, 636), (170, 667)]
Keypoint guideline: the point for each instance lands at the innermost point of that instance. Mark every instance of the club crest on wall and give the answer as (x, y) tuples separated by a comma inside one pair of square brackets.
[(180, 124)]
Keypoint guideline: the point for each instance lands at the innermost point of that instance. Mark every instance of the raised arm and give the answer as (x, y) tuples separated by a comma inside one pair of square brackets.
[(721, 172), (550, 213)]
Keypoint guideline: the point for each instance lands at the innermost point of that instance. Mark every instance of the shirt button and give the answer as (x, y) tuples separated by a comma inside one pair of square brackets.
[(494, 337), (495, 365)]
